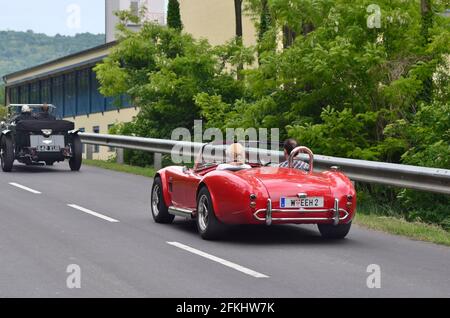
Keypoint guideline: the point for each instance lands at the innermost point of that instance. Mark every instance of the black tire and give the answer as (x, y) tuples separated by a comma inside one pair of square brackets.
[(159, 208), (77, 154), (7, 153), (330, 231), (49, 163), (209, 227)]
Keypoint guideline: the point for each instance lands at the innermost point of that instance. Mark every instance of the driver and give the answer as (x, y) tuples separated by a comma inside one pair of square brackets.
[(236, 158), (44, 114), (289, 145), (25, 114)]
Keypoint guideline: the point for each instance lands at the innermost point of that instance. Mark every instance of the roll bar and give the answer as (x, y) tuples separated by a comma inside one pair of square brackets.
[(299, 150)]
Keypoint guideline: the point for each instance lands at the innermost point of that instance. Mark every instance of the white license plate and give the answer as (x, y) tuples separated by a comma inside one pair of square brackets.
[(310, 202), (45, 148)]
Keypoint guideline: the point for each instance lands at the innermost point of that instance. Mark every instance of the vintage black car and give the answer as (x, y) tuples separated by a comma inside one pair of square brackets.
[(34, 139)]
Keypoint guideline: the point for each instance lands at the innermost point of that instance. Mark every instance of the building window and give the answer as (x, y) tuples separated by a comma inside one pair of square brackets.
[(96, 130), (134, 7), (45, 91), (34, 93), (24, 94), (83, 92), (70, 98)]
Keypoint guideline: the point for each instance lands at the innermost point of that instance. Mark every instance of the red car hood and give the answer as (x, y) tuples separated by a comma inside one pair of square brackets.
[(282, 182)]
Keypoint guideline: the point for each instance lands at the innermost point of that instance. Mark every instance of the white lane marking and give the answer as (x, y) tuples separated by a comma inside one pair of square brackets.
[(219, 260), (101, 216), (24, 188)]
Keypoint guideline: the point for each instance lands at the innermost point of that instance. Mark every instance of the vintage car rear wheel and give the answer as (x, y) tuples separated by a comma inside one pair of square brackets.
[(208, 225), (7, 153), (160, 211), (77, 154), (331, 231)]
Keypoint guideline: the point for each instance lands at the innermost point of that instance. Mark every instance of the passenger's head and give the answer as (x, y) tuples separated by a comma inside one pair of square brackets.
[(236, 154), (289, 145), (26, 109), (45, 108)]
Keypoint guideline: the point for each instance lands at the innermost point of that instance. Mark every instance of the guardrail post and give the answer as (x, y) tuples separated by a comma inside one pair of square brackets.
[(158, 161), (89, 152), (119, 156)]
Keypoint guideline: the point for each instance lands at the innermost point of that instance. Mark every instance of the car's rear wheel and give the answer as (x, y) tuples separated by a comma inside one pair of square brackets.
[(160, 210), (335, 232), (77, 154), (7, 153), (209, 227)]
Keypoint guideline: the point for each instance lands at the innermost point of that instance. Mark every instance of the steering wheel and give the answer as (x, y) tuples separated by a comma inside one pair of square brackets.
[(298, 151)]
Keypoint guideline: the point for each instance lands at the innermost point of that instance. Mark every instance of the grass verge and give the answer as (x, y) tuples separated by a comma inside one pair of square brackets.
[(392, 225), (413, 230), (140, 171)]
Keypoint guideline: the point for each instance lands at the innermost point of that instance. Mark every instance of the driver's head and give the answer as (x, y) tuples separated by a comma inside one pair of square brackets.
[(26, 109), (236, 153), (45, 108), (289, 145)]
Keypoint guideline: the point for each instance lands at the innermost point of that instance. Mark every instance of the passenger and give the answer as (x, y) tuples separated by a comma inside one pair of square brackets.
[(45, 114), (289, 146), (25, 114), (236, 159)]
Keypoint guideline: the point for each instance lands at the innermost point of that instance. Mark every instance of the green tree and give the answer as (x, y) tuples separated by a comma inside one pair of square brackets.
[(163, 71), (20, 50), (342, 63), (174, 16)]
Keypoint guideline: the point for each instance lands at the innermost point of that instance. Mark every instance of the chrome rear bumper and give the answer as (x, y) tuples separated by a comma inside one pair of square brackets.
[(336, 218)]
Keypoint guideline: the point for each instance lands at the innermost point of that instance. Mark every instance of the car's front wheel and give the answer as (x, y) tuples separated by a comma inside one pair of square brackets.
[(7, 153), (209, 227), (77, 154), (160, 210), (335, 232)]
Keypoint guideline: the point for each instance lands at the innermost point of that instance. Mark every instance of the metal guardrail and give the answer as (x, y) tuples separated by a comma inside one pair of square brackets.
[(403, 176)]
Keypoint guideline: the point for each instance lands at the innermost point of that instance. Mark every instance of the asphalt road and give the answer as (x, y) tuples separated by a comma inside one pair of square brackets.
[(109, 233)]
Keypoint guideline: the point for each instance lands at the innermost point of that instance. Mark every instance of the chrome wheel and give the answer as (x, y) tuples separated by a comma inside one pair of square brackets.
[(203, 213), (158, 206), (155, 199)]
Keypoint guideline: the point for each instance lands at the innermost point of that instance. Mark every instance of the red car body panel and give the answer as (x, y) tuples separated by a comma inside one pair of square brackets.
[(231, 191)]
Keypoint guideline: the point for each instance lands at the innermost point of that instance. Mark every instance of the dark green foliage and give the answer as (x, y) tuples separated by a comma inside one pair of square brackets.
[(265, 21), (20, 50), (174, 16)]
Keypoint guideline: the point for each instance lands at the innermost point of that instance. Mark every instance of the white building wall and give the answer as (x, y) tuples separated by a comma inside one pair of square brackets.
[(156, 12)]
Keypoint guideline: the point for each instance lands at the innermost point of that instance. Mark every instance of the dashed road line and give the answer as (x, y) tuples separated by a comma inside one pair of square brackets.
[(219, 260), (24, 188), (101, 216)]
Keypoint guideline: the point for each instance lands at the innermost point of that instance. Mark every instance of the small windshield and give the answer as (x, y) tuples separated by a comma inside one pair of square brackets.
[(36, 110), (214, 154), (16, 109)]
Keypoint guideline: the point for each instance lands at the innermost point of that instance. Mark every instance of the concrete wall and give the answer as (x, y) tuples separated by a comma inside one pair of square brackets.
[(103, 121), (215, 21), (155, 12)]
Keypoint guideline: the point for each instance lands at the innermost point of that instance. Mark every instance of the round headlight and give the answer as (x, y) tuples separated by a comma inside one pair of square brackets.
[(47, 132)]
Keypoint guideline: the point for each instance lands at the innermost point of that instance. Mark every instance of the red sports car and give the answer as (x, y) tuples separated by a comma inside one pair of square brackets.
[(238, 193)]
